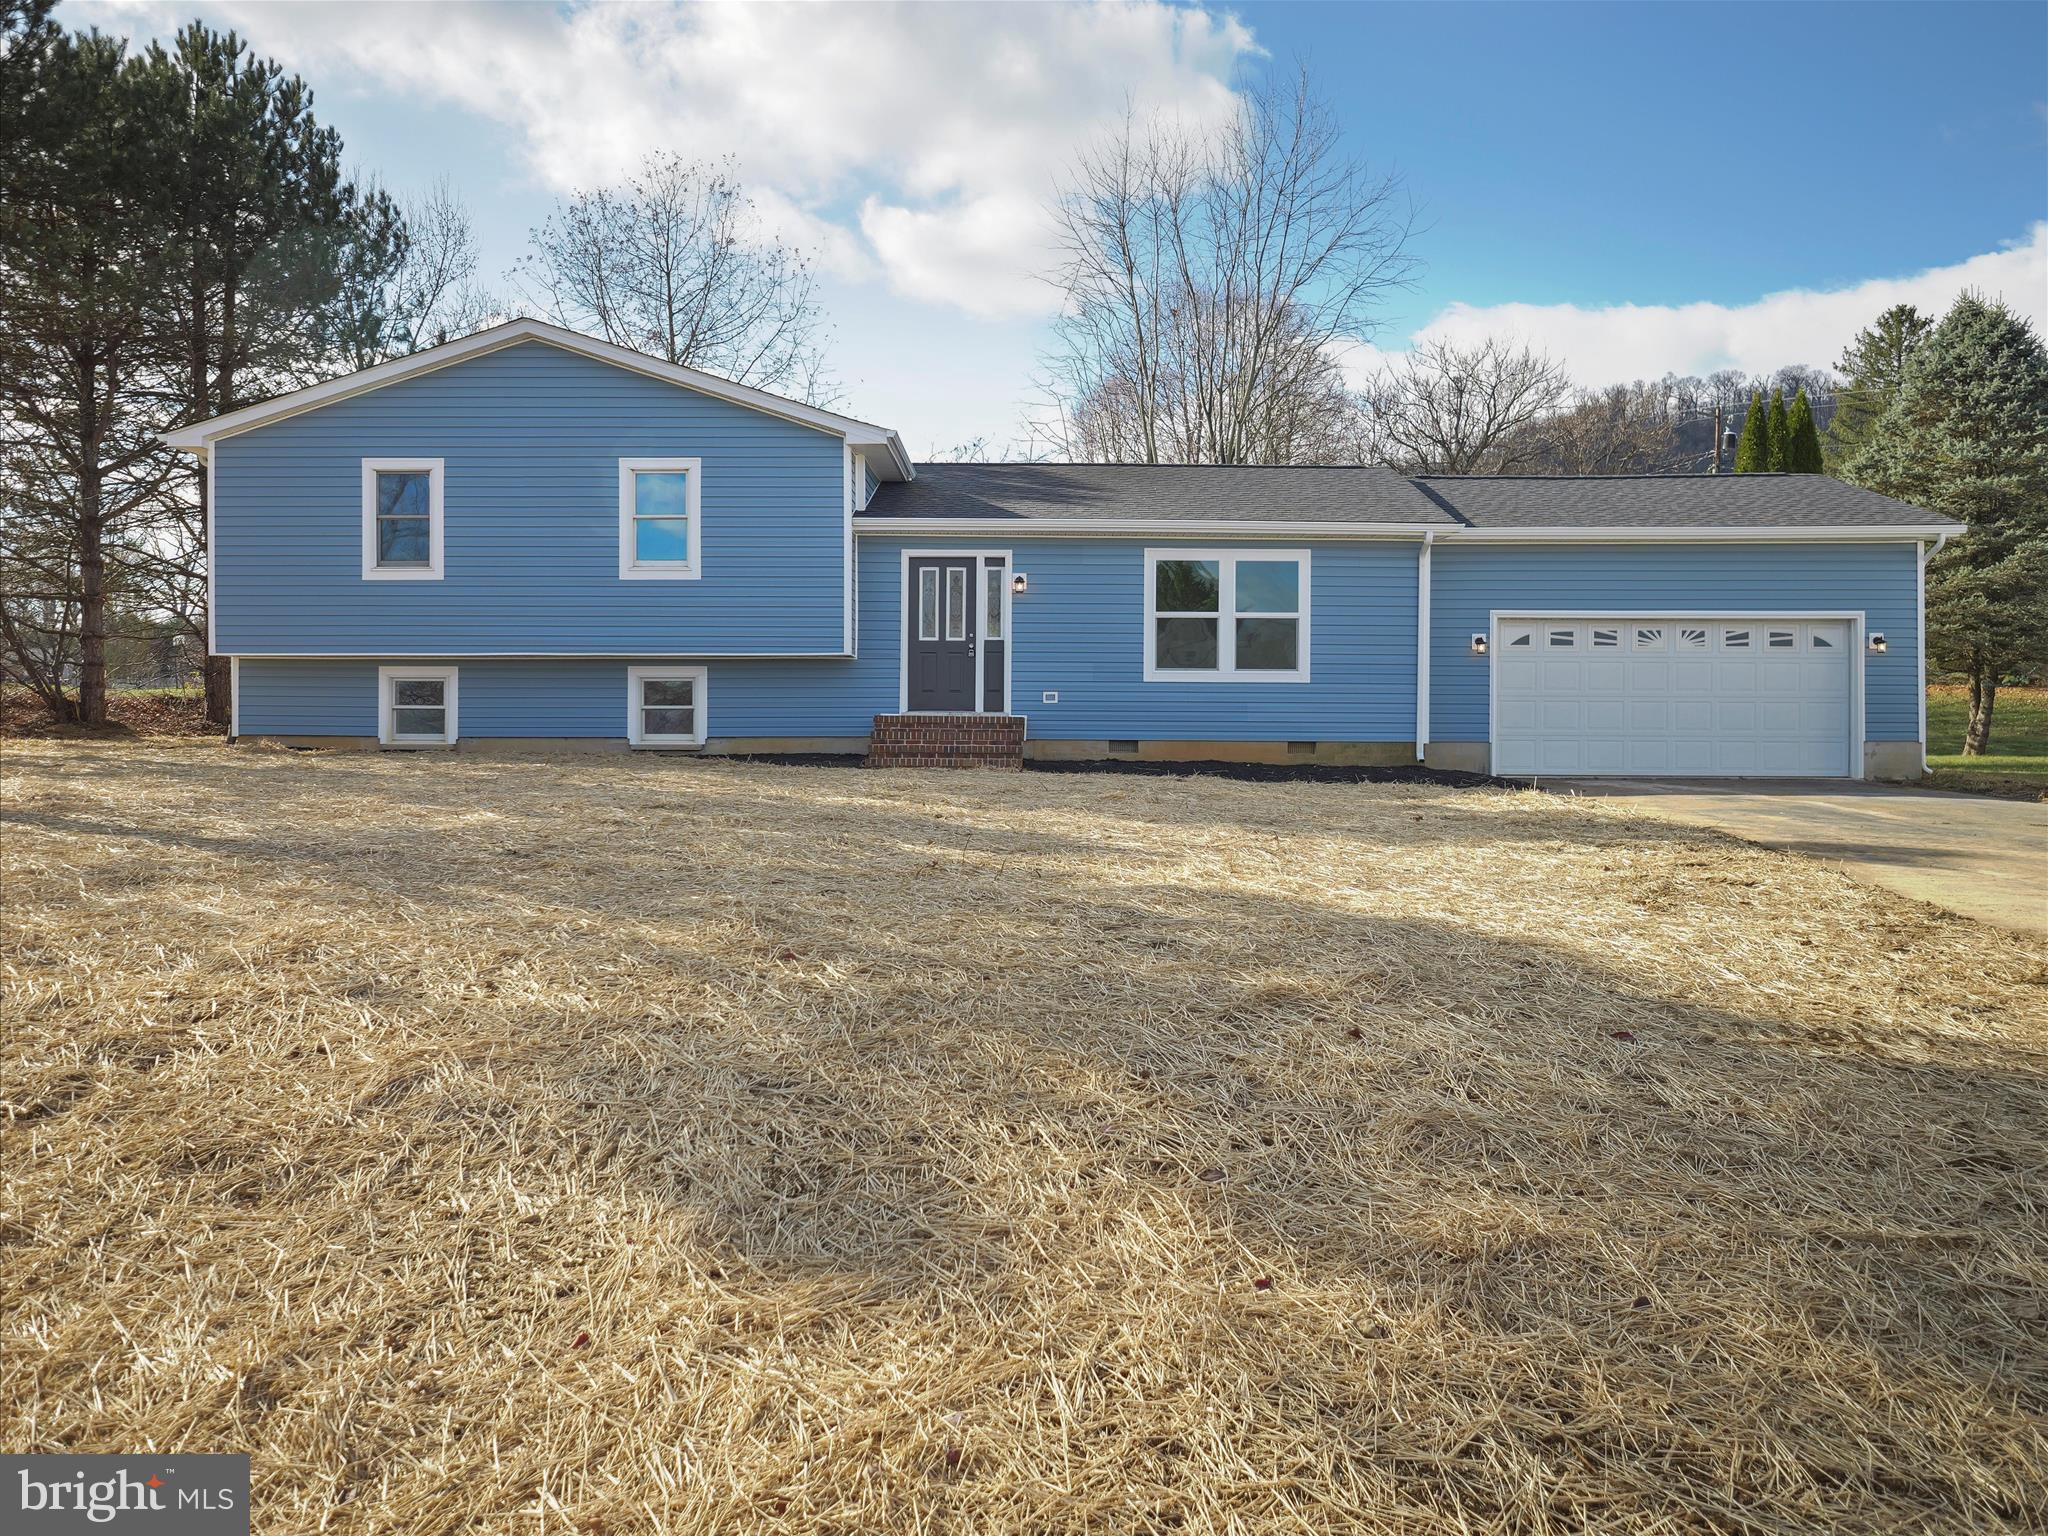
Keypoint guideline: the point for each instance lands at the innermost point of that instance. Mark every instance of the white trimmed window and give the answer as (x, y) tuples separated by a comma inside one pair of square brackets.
[(1215, 615), (659, 520), (402, 519), (665, 706), (416, 706)]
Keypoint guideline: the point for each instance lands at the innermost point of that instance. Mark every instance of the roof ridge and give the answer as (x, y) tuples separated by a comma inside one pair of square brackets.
[(1687, 474)]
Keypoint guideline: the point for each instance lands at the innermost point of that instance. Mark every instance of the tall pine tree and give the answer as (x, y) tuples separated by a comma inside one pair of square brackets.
[(1776, 454), (1802, 453), (264, 228), (1967, 436), (1873, 370), (81, 264), (1753, 448), (175, 234)]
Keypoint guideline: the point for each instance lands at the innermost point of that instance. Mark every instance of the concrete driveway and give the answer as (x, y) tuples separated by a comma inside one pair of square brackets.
[(1972, 854)]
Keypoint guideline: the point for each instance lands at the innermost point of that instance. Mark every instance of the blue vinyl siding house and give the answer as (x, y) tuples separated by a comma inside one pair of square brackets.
[(529, 536)]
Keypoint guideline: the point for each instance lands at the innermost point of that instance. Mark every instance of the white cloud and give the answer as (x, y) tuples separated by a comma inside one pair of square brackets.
[(922, 139), (1622, 342)]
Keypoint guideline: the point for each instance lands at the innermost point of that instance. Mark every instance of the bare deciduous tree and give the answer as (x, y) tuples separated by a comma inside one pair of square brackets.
[(1624, 429), (1444, 409), (676, 264), (426, 294), (436, 297), (1209, 281)]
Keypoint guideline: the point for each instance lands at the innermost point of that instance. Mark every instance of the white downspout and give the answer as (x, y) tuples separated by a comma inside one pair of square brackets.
[(1920, 645), (1422, 649)]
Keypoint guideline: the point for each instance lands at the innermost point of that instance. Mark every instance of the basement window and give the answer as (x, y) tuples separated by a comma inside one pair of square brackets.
[(416, 706), (665, 706)]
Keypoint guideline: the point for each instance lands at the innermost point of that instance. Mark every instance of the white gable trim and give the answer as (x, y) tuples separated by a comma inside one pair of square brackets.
[(198, 436)]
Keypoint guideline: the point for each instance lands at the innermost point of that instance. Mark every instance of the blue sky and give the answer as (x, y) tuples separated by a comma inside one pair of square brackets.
[(1668, 153), (1635, 188)]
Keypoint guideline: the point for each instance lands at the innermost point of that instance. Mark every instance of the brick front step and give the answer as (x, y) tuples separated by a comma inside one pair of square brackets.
[(946, 741)]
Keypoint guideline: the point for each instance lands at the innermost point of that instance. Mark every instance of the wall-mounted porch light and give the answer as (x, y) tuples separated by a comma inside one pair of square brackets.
[(1020, 582), (1877, 642), (1479, 645)]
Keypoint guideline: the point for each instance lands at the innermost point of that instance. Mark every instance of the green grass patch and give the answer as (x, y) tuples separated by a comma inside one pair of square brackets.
[(2018, 760)]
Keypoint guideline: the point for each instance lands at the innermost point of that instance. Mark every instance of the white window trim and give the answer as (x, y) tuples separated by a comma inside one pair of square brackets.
[(431, 571), (1226, 616), (387, 731), (700, 707), (661, 570)]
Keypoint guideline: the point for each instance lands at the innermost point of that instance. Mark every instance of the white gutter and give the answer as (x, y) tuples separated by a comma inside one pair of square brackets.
[(196, 437), (1920, 600), (1007, 527), (1857, 533), (1250, 528), (1422, 647)]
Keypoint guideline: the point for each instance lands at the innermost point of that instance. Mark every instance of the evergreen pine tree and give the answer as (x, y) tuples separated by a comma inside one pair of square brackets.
[(1752, 449), (1802, 455), (267, 232), (1873, 368), (1779, 440), (1967, 436), (81, 266)]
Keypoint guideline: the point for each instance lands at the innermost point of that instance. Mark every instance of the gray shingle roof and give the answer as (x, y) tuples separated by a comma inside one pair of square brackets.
[(1352, 495), (1668, 501), (1180, 492)]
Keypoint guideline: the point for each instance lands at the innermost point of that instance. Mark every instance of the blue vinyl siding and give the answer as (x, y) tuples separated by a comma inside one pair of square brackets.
[(561, 698), (1080, 631), (532, 436), (800, 696), (1880, 580), (309, 698)]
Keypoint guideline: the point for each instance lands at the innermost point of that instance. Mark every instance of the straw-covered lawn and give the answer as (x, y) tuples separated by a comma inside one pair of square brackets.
[(615, 1145)]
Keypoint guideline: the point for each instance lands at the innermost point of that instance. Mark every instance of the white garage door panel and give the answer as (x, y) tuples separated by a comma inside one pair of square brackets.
[(1673, 695)]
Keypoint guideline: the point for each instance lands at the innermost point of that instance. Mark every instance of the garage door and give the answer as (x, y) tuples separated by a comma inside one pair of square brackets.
[(1663, 695)]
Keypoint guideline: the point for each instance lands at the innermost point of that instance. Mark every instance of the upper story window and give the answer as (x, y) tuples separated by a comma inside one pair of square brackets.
[(402, 519), (1226, 615), (659, 522)]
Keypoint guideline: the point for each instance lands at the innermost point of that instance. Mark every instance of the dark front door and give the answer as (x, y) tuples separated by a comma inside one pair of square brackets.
[(941, 627)]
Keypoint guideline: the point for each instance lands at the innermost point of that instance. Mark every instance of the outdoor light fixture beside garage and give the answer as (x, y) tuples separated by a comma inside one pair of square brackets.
[(1877, 642), (1479, 645)]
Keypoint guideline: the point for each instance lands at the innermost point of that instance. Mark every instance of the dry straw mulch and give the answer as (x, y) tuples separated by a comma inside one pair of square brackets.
[(628, 1145)]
